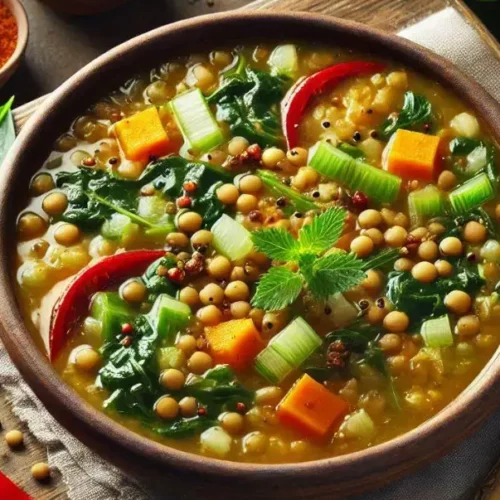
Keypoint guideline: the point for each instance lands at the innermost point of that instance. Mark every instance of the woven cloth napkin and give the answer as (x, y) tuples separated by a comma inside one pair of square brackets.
[(455, 477)]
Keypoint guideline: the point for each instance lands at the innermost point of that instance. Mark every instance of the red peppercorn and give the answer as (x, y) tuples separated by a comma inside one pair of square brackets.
[(184, 202), (88, 162), (127, 328), (241, 407), (176, 275), (254, 152), (202, 412), (190, 186), (360, 201)]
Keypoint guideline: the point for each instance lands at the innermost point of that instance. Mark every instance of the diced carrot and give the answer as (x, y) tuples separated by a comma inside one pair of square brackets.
[(412, 155), (234, 342), (310, 408), (142, 135)]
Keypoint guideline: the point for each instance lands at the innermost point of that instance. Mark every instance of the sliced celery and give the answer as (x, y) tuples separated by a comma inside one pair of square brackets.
[(111, 311), (472, 193), (296, 342), (357, 176), (196, 122), (271, 365), (168, 316), (231, 239), (284, 60), (425, 204), (437, 332)]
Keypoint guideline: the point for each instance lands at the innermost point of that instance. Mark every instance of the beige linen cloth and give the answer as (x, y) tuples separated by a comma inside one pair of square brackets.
[(455, 477)]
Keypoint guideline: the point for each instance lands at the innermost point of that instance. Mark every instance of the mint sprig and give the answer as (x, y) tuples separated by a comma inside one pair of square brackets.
[(321, 275)]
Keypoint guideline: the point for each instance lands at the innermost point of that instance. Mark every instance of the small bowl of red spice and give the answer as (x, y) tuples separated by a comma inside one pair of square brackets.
[(13, 37)]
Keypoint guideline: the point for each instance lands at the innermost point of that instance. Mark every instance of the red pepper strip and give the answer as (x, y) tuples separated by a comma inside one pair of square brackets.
[(74, 302), (297, 98), (10, 491)]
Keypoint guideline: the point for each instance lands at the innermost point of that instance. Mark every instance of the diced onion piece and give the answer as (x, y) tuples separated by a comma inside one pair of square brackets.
[(437, 332), (216, 441), (358, 425), (343, 312), (491, 251), (284, 60), (465, 124)]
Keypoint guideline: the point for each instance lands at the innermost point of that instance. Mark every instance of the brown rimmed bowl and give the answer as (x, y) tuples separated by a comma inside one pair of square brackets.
[(205, 477)]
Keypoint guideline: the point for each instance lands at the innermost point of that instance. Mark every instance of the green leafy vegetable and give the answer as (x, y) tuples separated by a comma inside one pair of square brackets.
[(352, 151), (295, 200), (381, 259), (156, 283), (416, 110), (94, 195), (322, 275), (248, 101), (7, 129), (423, 300)]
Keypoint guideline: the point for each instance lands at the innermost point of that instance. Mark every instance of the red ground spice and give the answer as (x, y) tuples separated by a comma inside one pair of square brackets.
[(8, 34)]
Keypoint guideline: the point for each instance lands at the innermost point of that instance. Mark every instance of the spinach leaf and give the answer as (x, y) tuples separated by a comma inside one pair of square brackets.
[(219, 389), (416, 110), (248, 100), (94, 195), (7, 129), (455, 225), (421, 300), (156, 283), (480, 158), (183, 428)]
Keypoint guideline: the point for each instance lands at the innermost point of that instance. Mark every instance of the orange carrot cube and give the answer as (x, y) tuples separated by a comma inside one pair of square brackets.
[(310, 408), (412, 155), (142, 135), (235, 343)]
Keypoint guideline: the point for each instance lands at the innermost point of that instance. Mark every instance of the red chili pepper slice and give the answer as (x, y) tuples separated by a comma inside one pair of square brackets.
[(74, 302), (297, 98)]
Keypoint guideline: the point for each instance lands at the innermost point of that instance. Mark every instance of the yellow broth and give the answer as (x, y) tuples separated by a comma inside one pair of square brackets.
[(338, 114)]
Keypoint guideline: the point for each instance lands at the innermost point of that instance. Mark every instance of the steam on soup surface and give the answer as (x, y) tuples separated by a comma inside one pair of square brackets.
[(297, 252)]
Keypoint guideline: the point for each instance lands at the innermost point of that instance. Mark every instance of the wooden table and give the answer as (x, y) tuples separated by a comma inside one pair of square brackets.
[(89, 37)]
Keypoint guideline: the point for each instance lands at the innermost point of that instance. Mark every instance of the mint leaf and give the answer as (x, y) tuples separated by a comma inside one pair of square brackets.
[(277, 244), (278, 288), (335, 273), (323, 232)]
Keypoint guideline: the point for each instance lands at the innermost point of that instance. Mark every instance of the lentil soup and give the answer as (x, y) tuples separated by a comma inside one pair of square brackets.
[(272, 253)]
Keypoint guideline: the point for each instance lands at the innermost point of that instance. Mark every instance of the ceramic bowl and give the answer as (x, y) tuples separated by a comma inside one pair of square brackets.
[(199, 476), (8, 69)]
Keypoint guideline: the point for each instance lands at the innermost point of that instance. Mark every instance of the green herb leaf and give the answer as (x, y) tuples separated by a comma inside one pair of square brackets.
[(276, 243), (278, 288), (323, 232), (6, 108), (416, 109), (334, 273)]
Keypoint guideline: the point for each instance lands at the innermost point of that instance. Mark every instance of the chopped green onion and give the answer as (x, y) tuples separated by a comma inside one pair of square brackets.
[(472, 193), (231, 239), (437, 332), (196, 122), (425, 204), (357, 176)]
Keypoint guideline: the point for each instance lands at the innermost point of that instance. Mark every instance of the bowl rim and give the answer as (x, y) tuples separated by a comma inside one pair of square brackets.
[(19, 12), (461, 416)]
